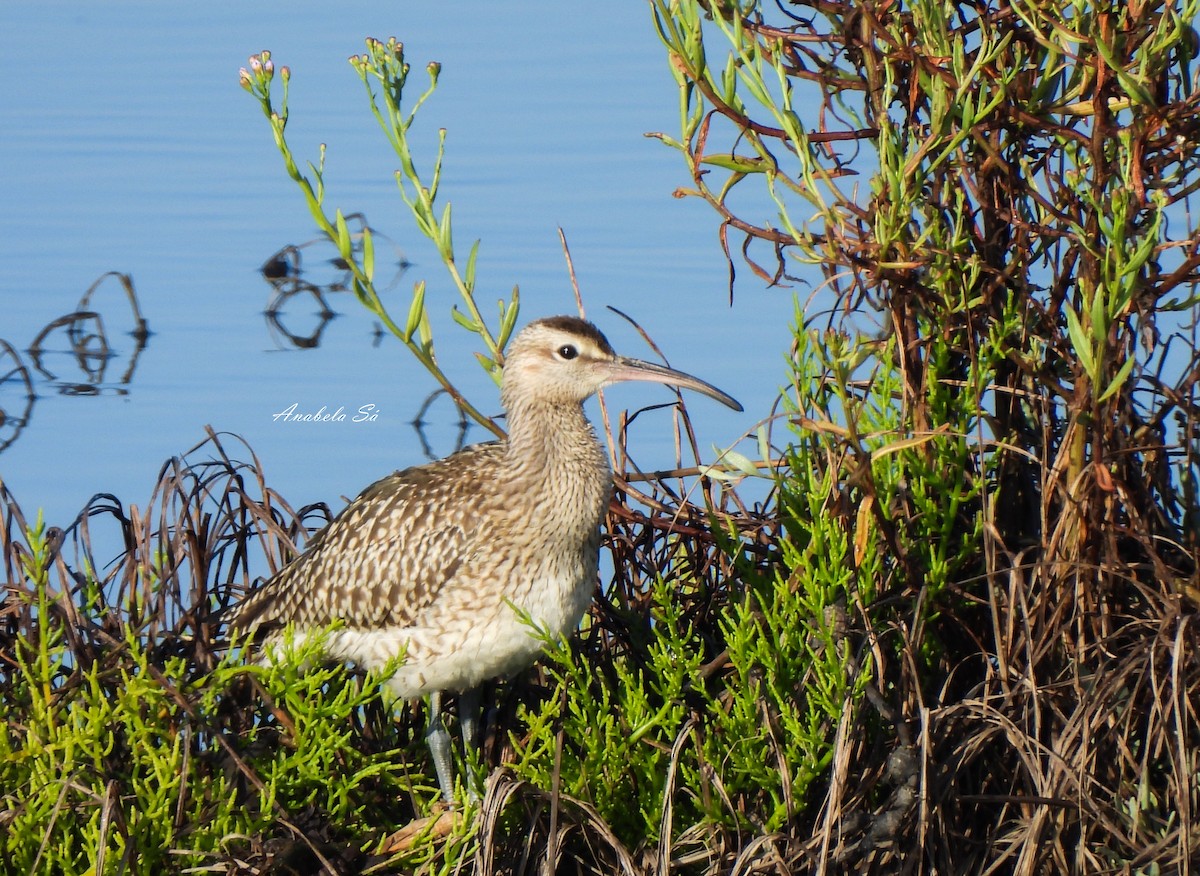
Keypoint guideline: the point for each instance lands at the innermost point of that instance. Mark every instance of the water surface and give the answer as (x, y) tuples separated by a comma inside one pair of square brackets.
[(129, 146)]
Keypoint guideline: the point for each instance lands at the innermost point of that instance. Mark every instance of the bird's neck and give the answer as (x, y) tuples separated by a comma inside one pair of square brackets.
[(554, 439), (554, 457)]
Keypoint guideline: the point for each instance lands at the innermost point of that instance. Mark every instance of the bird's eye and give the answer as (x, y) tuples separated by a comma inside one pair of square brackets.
[(568, 351)]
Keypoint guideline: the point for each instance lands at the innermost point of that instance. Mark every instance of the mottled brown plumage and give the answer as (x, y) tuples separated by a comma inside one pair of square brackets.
[(441, 561)]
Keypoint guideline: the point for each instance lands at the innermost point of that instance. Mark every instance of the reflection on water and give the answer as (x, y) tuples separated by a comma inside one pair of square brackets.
[(16, 394), (286, 291), (419, 423), (73, 353), (284, 271), (290, 290)]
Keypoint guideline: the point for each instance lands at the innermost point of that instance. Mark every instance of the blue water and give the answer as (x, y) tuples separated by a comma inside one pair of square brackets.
[(129, 146)]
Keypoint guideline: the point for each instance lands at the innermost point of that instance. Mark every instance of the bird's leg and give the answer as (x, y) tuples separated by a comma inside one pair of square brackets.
[(468, 715), (438, 739), (468, 722)]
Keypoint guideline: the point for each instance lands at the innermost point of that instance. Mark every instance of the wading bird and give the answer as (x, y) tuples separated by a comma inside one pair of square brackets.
[(448, 563)]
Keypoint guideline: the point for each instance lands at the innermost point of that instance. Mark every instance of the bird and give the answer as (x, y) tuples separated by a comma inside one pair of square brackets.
[(456, 565)]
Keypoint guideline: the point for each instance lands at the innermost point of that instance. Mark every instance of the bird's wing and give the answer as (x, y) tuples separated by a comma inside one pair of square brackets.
[(388, 555)]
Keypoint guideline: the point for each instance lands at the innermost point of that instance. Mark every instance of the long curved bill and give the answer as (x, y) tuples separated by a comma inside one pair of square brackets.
[(624, 368)]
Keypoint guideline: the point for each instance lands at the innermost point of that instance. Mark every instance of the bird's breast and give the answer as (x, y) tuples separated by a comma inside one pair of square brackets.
[(558, 594), (465, 642)]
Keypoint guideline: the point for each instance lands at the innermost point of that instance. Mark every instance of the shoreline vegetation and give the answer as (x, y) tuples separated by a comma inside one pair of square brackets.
[(958, 636)]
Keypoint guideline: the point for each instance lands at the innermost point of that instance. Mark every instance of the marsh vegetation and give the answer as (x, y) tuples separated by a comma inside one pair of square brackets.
[(958, 634)]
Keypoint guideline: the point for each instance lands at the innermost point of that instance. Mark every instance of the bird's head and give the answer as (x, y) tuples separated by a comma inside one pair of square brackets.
[(564, 360)]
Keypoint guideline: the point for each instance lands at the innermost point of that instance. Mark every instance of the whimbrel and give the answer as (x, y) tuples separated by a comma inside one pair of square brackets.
[(447, 563)]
